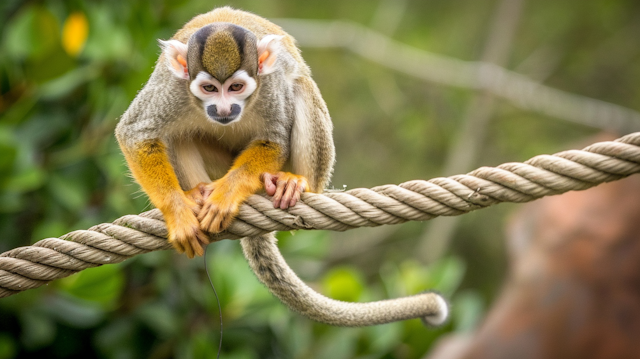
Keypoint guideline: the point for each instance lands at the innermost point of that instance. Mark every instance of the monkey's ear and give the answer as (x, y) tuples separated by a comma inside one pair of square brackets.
[(176, 54), (267, 53)]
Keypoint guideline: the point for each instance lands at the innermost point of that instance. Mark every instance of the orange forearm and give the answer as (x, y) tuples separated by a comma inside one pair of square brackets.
[(150, 166), (243, 179)]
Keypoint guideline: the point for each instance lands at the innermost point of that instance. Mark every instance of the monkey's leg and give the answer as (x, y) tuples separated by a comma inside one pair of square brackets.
[(269, 266), (150, 165), (285, 188)]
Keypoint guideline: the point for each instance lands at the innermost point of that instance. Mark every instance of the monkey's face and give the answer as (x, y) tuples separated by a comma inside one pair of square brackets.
[(223, 102), (222, 63)]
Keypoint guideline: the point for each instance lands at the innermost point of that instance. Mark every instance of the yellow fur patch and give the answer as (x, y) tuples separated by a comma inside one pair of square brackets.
[(243, 179), (150, 166), (245, 173)]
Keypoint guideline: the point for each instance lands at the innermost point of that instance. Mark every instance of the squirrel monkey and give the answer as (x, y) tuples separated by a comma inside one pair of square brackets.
[(230, 108), (231, 100)]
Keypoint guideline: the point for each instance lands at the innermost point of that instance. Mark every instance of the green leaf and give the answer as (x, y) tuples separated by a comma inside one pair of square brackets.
[(63, 85), (38, 328), (102, 285), (11, 202), (120, 330), (447, 274), (343, 284), (73, 311), (112, 42), (8, 149), (32, 34), (26, 180), (70, 193), (467, 311), (337, 344), (384, 337), (444, 275), (306, 243), (202, 345), (8, 156), (49, 228), (8, 346), (160, 318)]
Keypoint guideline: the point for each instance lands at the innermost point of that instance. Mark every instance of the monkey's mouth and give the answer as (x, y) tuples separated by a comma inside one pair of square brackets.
[(212, 111), (224, 120)]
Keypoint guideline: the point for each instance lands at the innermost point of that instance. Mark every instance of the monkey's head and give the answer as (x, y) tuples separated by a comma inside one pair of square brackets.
[(222, 62)]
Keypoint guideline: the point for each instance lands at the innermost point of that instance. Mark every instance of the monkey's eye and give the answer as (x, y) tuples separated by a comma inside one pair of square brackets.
[(210, 88), (236, 87)]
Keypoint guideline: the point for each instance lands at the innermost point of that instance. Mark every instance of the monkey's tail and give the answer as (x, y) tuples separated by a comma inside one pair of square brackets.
[(267, 263)]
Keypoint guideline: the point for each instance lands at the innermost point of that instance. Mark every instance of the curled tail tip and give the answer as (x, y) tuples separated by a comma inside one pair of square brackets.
[(440, 315)]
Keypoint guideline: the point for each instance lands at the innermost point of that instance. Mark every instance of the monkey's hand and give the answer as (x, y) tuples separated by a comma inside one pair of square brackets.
[(184, 229), (285, 187), (198, 195), (221, 204)]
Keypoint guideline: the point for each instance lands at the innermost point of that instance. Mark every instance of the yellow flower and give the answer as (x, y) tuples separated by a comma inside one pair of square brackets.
[(74, 33)]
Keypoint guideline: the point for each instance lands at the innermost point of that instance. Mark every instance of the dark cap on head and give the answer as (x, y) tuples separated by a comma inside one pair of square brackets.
[(221, 49)]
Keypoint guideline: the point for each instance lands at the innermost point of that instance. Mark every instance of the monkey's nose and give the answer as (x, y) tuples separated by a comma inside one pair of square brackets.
[(224, 116)]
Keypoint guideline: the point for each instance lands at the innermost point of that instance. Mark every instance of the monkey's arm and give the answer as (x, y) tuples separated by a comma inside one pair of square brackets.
[(142, 134), (224, 196), (150, 166)]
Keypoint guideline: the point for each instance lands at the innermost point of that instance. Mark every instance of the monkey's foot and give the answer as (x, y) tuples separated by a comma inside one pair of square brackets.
[(285, 187), (220, 207), (184, 231)]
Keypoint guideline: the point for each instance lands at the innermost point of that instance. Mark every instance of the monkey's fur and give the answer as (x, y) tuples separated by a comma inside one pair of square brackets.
[(267, 263), (186, 127), (171, 145)]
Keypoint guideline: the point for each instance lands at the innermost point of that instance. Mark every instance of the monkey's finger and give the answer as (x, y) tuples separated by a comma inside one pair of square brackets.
[(204, 211), (208, 218), (207, 190), (176, 238), (279, 193), (197, 194), (199, 201), (288, 194), (196, 207), (177, 245), (269, 183), (206, 223), (226, 222), (188, 250), (216, 225), (203, 239), (194, 245), (296, 195)]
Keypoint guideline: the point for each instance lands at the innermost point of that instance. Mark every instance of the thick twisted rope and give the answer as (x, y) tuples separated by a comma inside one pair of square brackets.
[(52, 258)]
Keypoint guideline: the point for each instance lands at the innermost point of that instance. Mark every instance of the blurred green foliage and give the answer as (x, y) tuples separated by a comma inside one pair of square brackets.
[(61, 170)]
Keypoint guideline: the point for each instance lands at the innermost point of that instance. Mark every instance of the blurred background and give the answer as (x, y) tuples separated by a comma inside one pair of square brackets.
[(416, 90)]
